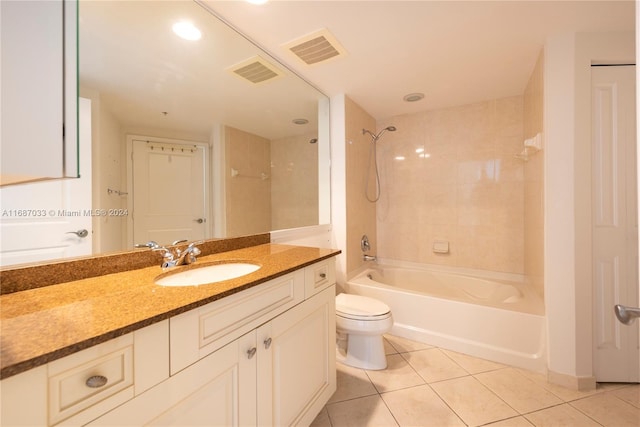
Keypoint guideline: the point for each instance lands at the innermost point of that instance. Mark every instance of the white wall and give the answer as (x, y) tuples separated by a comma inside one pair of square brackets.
[(568, 284)]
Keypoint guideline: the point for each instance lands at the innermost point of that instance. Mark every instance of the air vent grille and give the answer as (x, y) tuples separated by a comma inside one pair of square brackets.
[(256, 70), (315, 48)]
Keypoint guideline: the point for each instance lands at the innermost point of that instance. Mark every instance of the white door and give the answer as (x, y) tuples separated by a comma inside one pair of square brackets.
[(169, 186), (49, 220), (615, 222)]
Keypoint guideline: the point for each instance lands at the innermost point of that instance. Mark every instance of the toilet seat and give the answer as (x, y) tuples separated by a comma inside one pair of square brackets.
[(358, 307)]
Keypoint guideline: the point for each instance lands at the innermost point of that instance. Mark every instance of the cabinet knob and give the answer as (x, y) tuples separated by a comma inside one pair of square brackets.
[(267, 343), (96, 381), (323, 275), (251, 352)]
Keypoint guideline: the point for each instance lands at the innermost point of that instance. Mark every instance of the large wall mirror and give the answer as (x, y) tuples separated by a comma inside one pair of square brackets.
[(192, 136), (258, 127)]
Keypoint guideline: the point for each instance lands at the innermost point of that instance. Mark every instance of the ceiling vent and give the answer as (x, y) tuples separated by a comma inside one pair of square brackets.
[(316, 47), (256, 70)]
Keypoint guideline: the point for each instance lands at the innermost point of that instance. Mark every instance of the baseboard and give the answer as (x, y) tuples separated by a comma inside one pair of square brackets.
[(571, 382)]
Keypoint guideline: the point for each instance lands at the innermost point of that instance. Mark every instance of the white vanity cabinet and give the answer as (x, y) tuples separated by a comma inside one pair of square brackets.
[(264, 356), (80, 387), (296, 362)]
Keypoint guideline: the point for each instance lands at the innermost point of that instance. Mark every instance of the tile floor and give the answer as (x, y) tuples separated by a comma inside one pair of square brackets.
[(429, 386)]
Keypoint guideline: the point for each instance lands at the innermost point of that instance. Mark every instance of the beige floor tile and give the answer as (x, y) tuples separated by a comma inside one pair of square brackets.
[(420, 406), (518, 391), (609, 410), (629, 394), (512, 422), (560, 416), (388, 347), (433, 365), (473, 365), (563, 393), (361, 412), (403, 345), (352, 383), (322, 420), (472, 401), (399, 374)]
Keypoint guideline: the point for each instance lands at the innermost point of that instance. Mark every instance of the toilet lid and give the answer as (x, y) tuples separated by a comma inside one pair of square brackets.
[(357, 305)]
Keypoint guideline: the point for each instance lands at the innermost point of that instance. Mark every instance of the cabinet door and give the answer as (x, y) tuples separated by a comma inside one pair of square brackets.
[(219, 390), (296, 362), (39, 95)]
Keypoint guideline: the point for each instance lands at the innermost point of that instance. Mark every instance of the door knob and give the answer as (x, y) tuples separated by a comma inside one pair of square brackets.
[(626, 315), (80, 233), (200, 220)]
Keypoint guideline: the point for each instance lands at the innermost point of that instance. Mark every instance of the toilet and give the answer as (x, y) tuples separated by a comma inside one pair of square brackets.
[(360, 323)]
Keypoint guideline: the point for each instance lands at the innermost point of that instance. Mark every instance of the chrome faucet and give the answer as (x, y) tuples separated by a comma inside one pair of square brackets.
[(176, 256), (369, 257)]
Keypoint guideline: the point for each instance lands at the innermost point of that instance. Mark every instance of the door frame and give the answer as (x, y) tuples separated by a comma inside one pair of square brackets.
[(207, 179)]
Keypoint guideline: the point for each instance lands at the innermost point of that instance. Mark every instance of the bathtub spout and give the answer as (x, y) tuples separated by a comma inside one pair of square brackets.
[(368, 257)]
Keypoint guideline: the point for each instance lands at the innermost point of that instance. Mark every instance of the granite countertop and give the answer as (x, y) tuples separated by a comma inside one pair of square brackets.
[(44, 324)]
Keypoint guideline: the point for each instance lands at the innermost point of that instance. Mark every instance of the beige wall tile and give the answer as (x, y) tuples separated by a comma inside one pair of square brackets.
[(294, 182), (361, 214), (248, 197), (469, 181)]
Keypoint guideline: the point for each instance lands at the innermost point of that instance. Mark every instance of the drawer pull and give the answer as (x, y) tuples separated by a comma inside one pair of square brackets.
[(96, 381), (323, 275), (252, 352), (267, 343)]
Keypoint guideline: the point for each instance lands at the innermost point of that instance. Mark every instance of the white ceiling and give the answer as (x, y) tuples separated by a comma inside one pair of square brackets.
[(456, 52)]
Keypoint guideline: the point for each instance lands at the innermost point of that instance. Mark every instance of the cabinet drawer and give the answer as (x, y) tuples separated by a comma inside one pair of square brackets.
[(101, 374), (319, 276), (200, 332)]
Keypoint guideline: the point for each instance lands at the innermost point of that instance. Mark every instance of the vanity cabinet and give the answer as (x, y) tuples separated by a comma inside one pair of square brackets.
[(78, 388), (262, 356), (39, 109), (281, 373)]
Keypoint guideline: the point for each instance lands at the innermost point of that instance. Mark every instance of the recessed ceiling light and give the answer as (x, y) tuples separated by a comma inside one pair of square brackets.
[(187, 30), (413, 97), (300, 121)]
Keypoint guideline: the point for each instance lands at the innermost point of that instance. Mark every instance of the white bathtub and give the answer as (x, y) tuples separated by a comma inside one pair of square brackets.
[(491, 319)]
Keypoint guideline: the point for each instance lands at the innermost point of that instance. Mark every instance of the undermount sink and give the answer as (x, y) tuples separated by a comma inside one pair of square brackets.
[(207, 274)]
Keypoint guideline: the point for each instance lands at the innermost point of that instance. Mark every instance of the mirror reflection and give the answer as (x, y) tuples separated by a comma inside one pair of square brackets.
[(221, 140)]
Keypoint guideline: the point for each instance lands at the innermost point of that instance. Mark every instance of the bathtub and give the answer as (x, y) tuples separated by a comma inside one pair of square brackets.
[(497, 320)]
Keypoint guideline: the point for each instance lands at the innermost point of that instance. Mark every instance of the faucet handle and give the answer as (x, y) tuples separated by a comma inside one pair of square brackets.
[(150, 244), (177, 242)]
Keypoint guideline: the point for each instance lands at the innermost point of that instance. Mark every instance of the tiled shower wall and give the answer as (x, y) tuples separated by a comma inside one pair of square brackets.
[(534, 181), (294, 182), (361, 214), (450, 175), (248, 196)]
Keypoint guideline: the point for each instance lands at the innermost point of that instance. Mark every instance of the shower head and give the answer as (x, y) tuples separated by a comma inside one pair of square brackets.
[(379, 134)]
